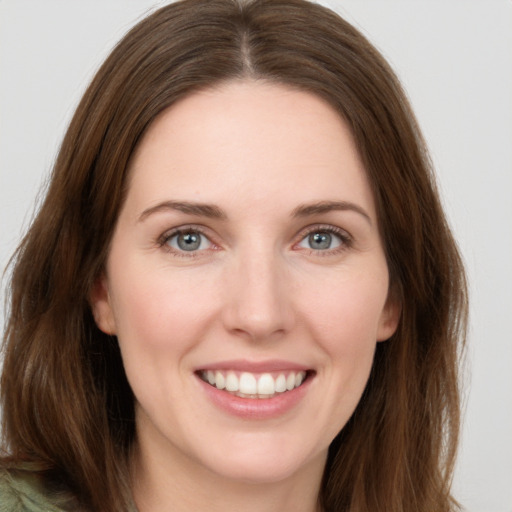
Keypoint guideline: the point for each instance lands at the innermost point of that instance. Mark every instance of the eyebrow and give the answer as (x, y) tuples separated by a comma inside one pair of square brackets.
[(214, 212), (200, 209), (329, 206)]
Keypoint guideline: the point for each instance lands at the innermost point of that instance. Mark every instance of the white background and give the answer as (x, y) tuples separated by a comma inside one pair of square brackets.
[(455, 60)]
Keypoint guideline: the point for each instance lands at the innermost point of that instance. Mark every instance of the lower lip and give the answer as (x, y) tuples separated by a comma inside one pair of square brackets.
[(256, 408)]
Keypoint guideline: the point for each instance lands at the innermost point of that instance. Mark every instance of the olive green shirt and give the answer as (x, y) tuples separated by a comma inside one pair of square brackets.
[(22, 492)]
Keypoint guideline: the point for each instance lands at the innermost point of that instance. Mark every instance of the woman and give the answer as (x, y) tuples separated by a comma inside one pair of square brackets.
[(241, 291)]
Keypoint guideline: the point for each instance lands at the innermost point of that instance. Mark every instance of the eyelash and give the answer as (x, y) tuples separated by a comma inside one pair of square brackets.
[(163, 240), (346, 240)]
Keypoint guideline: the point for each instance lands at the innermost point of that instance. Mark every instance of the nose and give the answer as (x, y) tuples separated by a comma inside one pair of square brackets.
[(258, 304)]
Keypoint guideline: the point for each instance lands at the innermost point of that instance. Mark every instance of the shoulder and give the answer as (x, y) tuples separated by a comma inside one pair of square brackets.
[(20, 491)]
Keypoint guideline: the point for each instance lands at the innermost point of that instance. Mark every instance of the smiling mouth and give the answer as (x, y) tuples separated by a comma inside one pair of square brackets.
[(253, 385)]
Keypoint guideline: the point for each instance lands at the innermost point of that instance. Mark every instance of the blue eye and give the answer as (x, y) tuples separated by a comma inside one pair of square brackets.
[(321, 240), (188, 241)]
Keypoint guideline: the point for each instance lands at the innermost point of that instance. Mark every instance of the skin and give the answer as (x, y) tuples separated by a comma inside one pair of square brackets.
[(254, 290)]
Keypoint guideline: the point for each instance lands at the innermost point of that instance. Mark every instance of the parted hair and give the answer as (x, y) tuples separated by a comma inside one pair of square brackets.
[(68, 411)]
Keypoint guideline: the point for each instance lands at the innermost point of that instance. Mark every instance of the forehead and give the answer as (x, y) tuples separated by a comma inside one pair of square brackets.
[(264, 141)]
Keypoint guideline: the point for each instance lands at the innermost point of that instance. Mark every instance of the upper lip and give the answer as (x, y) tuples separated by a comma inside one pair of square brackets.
[(244, 365)]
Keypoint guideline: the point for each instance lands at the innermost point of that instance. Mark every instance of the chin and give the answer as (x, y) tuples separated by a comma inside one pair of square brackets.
[(262, 462)]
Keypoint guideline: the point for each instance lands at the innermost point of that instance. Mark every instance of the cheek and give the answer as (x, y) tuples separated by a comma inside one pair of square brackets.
[(345, 323), (152, 311), (348, 312), (159, 321)]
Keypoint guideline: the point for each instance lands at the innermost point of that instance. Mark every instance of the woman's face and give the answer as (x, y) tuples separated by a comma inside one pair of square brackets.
[(246, 283)]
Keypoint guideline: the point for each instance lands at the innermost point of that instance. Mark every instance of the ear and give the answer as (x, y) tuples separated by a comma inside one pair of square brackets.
[(390, 317), (101, 306)]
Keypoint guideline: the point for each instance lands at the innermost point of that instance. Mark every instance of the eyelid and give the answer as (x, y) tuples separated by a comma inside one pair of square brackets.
[(163, 239), (344, 236), (346, 239)]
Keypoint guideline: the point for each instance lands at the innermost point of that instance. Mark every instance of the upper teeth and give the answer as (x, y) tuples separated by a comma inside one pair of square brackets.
[(250, 385)]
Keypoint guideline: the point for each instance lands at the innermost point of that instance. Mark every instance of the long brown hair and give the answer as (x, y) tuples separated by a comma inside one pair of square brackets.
[(67, 407)]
